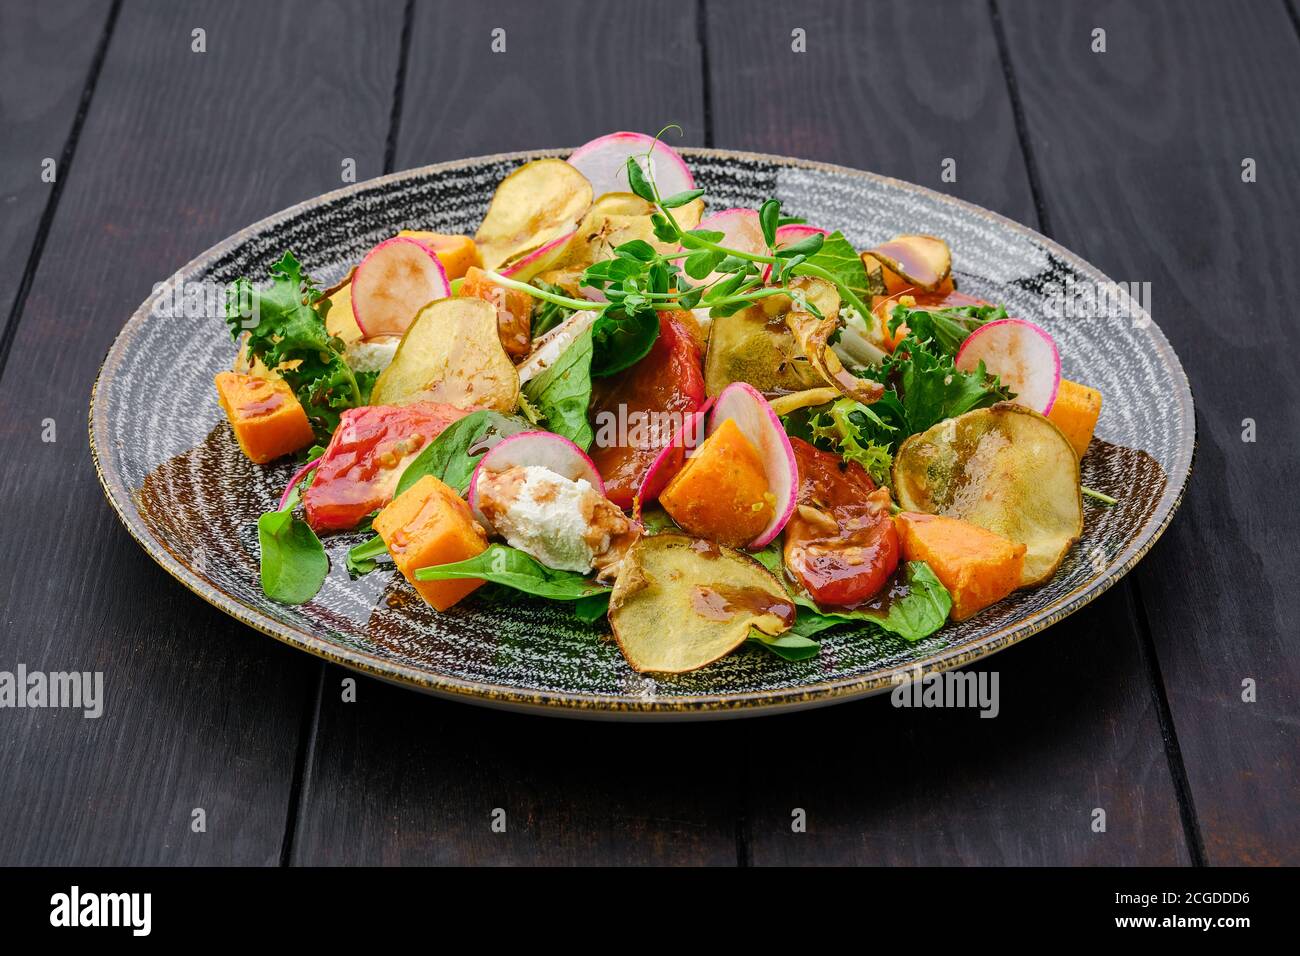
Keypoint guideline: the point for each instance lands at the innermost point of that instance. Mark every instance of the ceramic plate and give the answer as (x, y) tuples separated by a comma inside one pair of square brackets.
[(172, 471)]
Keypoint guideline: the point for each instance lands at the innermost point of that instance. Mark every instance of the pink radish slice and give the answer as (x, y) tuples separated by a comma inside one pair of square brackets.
[(1021, 354), (539, 260), (604, 162), (297, 477), (548, 450), (743, 404), (740, 230), (789, 235), (670, 459), (395, 280)]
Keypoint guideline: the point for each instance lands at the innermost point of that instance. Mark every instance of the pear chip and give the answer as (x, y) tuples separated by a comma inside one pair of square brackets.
[(1005, 468), (680, 603)]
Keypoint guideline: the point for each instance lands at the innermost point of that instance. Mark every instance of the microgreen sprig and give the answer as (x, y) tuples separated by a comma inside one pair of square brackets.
[(640, 278)]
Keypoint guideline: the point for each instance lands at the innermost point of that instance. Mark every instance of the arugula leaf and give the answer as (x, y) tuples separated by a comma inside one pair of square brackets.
[(286, 324), (513, 568), (562, 393), (858, 433), (929, 388), (946, 328), (838, 257), (293, 562), (452, 456)]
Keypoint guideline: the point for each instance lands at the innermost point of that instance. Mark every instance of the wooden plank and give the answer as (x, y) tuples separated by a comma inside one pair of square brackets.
[(47, 56), (396, 778), (888, 88), (570, 71), (179, 150), (892, 87), (1140, 151)]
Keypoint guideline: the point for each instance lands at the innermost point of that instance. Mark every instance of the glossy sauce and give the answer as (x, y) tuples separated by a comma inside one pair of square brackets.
[(722, 602), (840, 544)]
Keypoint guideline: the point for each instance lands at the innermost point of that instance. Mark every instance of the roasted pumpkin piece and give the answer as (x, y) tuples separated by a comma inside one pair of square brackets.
[(1075, 413), (722, 491), (514, 310), (977, 567), (426, 525), (456, 253), (267, 418), (1005, 468)]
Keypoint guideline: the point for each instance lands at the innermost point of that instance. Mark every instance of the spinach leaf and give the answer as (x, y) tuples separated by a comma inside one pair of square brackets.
[(362, 558), (838, 257), (451, 456), (592, 608), (547, 315), (788, 646), (917, 615), (562, 393), (620, 339), (515, 569), (294, 563)]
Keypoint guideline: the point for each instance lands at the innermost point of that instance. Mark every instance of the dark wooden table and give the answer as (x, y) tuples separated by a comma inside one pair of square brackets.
[(1132, 157)]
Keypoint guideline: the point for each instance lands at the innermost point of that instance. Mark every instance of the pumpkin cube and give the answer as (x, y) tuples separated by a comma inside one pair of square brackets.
[(722, 491), (1075, 413), (977, 566), (266, 417), (426, 525)]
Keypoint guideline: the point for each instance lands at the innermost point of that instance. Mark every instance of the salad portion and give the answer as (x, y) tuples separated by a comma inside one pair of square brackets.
[(712, 428)]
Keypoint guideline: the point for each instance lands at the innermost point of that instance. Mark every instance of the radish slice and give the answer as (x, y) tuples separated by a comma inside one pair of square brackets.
[(670, 459), (534, 448), (740, 230), (297, 477), (790, 234), (395, 280), (1022, 354), (743, 404), (604, 162), (539, 260)]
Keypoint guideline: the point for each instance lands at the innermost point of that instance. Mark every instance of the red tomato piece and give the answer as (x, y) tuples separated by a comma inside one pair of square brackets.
[(840, 544), (636, 413), (359, 471)]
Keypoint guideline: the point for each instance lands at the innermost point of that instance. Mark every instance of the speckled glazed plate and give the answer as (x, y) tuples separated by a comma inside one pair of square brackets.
[(172, 471)]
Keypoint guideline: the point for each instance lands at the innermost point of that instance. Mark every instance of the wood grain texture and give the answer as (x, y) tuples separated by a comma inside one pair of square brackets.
[(399, 778), (571, 71), (891, 87), (179, 150), (1144, 178), (46, 53), (1078, 728)]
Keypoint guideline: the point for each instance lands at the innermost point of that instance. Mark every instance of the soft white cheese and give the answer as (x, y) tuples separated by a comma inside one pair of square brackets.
[(373, 356), (547, 520)]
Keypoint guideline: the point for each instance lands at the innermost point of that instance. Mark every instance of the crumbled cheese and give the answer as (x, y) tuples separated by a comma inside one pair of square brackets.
[(372, 356), (544, 515)]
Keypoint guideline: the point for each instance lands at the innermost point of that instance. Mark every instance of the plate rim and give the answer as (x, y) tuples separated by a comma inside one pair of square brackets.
[(596, 706)]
